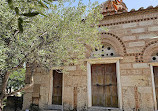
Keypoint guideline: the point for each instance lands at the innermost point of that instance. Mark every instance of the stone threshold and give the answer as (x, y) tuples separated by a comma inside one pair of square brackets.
[(53, 107), (98, 108)]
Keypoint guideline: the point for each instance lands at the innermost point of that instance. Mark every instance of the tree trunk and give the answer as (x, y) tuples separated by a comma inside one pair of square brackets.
[(4, 85)]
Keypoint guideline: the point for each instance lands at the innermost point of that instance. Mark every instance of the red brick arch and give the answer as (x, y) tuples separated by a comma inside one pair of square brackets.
[(148, 50), (115, 42)]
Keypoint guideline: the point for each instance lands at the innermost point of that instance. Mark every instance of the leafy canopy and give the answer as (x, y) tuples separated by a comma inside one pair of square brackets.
[(57, 38), (16, 79)]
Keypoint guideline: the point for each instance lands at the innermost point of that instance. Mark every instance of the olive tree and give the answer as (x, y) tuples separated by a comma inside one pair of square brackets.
[(50, 33)]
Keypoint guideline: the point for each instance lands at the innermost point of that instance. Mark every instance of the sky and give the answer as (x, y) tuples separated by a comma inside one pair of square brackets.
[(136, 4)]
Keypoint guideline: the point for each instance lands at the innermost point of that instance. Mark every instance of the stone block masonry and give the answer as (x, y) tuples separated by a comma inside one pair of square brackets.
[(129, 35), (135, 44), (154, 28), (138, 30)]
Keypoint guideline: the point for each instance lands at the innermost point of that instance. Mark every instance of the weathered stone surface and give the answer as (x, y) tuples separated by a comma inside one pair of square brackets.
[(138, 30), (43, 100), (145, 90), (128, 59), (103, 109), (76, 73), (131, 72), (27, 100), (140, 65), (37, 79), (84, 73), (70, 68), (44, 90), (147, 36), (125, 66), (145, 23), (35, 94), (67, 107), (128, 38), (134, 50), (82, 98), (53, 107), (128, 98), (79, 80), (68, 95), (45, 78), (154, 28), (156, 21), (146, 102), (36, 88), (35, 100), (29, 90), (68, 80), (135, 80), (129, 25), (135, 44), (147, 71)]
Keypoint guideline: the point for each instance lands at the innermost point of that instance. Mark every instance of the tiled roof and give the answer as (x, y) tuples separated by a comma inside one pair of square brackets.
[(108, 9)]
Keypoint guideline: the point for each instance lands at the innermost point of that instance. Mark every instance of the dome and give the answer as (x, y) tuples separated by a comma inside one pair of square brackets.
[(111, 7)]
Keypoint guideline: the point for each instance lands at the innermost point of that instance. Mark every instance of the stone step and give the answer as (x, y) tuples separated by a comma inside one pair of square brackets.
[(53, 108), (103, 109)]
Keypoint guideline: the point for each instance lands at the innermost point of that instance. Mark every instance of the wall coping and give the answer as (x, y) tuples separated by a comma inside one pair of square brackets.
[(116, 19)]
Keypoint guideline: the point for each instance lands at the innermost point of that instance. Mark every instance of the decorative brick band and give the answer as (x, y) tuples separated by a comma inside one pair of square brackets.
[(139, 57), (130, 21)]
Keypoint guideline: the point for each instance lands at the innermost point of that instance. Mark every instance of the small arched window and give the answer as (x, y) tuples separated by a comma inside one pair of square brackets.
[(154, 57), (105, 51)]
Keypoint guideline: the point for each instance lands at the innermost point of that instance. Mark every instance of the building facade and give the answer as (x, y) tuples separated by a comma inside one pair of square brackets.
[(123, 75)]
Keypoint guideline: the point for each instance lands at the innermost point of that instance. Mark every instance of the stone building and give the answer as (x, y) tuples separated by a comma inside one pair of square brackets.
[(123, 75)]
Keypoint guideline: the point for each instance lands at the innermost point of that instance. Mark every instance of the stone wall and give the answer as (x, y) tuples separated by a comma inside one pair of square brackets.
[(139, 42), (134, 37), (39, 92), (75, 88)]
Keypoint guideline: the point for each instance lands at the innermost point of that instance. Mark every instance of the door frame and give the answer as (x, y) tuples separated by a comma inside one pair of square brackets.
[(106, 60), (153, 83), (51, 85)]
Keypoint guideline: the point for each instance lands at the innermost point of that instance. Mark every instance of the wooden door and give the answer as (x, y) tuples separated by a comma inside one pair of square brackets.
[(57, 88), (104, 85), (156, 82)]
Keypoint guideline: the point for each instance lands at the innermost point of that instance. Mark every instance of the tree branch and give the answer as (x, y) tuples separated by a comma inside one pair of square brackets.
[(4, 84), (20, 90), (7, 73), (38, 46), (26, 86)]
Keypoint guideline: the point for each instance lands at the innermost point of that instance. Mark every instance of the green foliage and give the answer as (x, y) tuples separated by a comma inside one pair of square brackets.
[(16, 79), (59, 38)]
